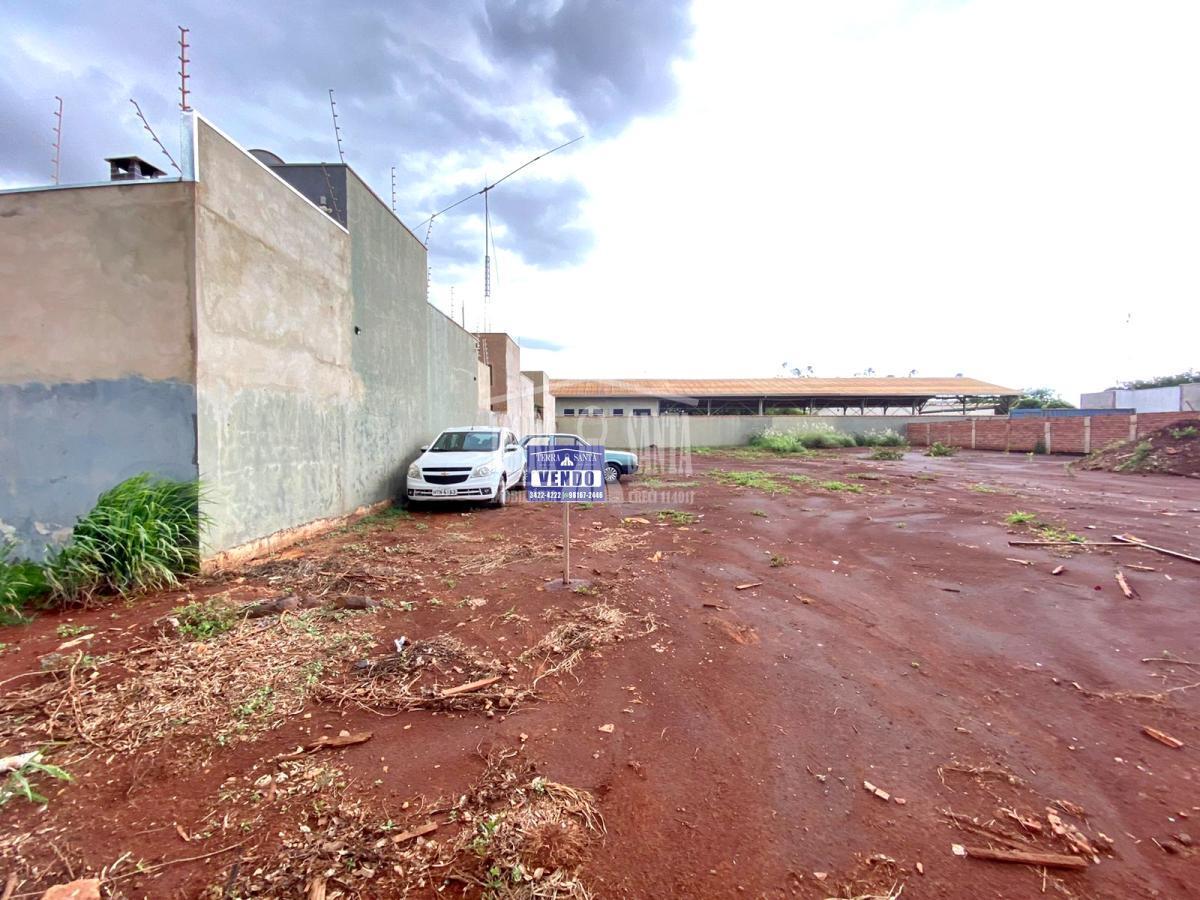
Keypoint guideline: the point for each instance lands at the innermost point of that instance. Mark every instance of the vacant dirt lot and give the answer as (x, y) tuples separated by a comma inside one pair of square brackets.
[(891, 636)]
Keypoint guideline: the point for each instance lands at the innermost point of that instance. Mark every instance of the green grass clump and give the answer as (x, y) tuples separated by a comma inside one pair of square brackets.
[(19, 781), (677, 517), (1136, 459), (1181, 433), (758, 480), (880, 438), (802, 479), (940, 449), (141, 535), (890, 454), (1020, 518), (802, 440), (984, 489), (842, 486), (22, 583), (199, 621)]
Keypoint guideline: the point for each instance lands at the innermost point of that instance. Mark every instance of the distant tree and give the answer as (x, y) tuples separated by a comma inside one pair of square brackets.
[(1189, 377), (790, 371), (1036, 398)]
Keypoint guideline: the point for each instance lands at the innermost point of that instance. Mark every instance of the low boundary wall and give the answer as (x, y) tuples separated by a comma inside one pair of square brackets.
[(1081, 434)]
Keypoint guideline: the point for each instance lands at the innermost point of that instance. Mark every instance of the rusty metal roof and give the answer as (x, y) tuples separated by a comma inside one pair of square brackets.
[(778, 387)]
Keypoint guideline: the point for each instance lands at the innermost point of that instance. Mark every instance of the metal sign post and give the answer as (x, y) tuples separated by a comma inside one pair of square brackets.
[(565, 475)]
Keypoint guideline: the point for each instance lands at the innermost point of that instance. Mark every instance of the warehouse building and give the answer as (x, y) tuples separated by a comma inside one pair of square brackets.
[(778, 396)]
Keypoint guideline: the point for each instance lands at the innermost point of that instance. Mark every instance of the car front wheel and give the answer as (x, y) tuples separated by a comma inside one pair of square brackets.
[(501, 497), (612, 473)]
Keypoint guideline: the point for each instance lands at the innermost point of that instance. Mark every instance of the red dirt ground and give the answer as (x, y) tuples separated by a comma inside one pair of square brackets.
[(898, 636)]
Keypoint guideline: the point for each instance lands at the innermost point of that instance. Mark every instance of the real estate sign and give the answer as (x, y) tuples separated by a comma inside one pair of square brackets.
[(565, 474)]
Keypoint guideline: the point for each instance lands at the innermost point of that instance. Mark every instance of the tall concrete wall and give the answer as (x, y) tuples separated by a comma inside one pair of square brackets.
[(274, 367), (641, 432), (322, 367), (97, 349)]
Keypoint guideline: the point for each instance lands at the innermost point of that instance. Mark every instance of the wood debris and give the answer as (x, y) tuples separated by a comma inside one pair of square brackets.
[(332, 742), (1058, 570), (469, 686), (747, 585), (635, 520), (1023, 562), (1077, 840), (1025, 857), (1029, 823), (1129, 592), (657, 557), (607, 729), (1138, 542), (415, 833), (878, 792), (1162, 737)]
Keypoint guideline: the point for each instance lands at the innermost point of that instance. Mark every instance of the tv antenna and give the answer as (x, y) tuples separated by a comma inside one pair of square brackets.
[(146, 125), (393, 189), (488, 243), (337, 131), (183, 72), (57, 138)]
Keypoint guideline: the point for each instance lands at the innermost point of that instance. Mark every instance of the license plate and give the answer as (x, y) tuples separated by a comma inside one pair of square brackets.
[(444, 492)]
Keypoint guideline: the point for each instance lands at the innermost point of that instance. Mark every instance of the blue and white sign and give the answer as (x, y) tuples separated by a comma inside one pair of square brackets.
[(565, 474)]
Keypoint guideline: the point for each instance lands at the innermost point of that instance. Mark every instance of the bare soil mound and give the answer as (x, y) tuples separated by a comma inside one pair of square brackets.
[(1170, 450)]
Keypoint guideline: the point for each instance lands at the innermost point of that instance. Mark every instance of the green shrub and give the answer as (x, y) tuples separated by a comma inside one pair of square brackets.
[(1181, 433), (824, 437), (940, 449), (141, 535), (842, 486), (887, 453), (880, 438), (21, 583)]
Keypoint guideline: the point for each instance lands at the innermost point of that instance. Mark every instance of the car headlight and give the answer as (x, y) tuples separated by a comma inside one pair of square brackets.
[(483, 471), (414, 471)]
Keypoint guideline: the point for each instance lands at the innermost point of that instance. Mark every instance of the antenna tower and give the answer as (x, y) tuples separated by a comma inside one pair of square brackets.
[(488, 243), (57, 138), (337, 131), (184, 106), (393, 189)]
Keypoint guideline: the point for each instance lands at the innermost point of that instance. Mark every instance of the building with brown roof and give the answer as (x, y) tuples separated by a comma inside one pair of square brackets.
[(776, 396)]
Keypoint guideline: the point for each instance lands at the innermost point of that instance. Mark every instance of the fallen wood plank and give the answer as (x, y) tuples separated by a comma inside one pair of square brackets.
[(748, 585), (415, 833), (1168, 659), (713, 606), (1058, 570), (1140, 568), (1124, 585), (1060, 543), (1023, 562), (1138, 542), (332, 742), (469, 686), (1162, 737), (1028, 858)]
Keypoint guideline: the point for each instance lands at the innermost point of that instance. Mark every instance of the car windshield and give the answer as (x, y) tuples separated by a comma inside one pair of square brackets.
[(466, 441)]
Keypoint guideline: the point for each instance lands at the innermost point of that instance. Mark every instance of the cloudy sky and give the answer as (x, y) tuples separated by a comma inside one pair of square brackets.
[(1002, 188)]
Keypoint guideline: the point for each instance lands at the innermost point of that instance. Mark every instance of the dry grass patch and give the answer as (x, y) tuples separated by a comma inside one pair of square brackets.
[(588, 629)]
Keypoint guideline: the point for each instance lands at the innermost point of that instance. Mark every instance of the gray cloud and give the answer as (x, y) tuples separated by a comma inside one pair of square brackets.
[(414, 81)]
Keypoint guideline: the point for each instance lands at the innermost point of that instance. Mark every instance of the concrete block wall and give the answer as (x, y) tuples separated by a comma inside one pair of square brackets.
[(679, 432), (1078, 435), (97, 349)]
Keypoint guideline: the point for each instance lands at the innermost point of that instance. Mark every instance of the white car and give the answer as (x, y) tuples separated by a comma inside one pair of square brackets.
[(474, 463)]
